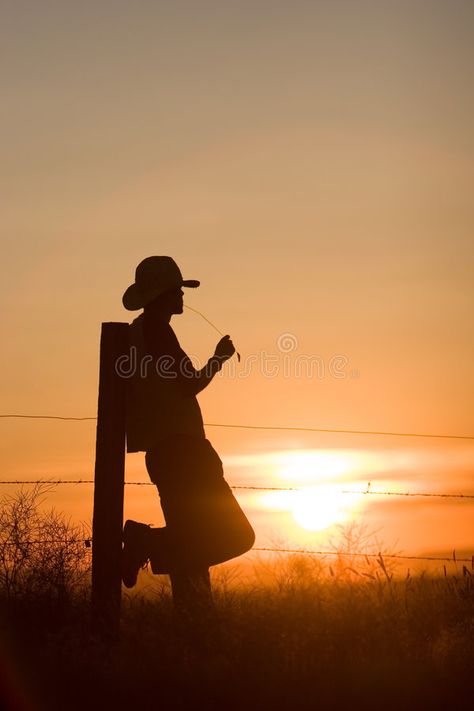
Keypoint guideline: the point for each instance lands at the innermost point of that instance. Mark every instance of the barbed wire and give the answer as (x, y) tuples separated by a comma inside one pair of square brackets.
[(348, 554), (364, 492), (45, 541), (88, 542), (269, 427), (430, 494)]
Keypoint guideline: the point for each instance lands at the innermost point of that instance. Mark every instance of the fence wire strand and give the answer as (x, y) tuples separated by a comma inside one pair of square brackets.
[(269, 427), (243, 487), (379, 556), (88, 542)]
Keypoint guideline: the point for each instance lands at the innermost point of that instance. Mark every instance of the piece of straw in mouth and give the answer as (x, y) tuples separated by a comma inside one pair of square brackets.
[(210, 324)]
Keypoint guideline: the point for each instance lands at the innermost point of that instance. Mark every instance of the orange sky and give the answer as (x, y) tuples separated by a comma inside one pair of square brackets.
[(311, 164)]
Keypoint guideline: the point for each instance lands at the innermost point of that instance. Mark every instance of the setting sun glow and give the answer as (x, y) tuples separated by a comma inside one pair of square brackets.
[(321, 507), (318, 483), (316, 508)]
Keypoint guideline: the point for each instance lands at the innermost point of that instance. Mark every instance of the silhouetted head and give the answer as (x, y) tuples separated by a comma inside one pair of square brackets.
[(154, 277)]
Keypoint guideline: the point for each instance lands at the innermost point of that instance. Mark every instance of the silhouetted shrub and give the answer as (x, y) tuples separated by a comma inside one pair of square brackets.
[(42, 554)]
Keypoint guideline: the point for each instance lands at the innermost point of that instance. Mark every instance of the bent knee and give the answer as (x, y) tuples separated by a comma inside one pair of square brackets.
[(248, 539)]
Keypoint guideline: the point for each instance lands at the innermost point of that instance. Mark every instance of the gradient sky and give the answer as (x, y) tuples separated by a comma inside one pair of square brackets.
[(309, 162)]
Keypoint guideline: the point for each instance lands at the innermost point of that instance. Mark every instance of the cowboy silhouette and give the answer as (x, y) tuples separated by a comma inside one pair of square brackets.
[(204, 523)]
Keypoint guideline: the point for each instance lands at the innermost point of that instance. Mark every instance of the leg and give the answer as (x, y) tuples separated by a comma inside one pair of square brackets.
[(205, 522), (192, 591), (196, 618), (171, 548)]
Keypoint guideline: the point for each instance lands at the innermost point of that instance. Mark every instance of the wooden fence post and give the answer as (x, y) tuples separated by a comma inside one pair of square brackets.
[(109, 483)]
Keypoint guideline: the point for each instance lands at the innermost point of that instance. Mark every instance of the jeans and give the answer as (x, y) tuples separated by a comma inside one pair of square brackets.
[(204, 523)]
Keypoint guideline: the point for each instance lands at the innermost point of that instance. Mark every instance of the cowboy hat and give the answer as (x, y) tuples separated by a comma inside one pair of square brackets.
[(154, 276)]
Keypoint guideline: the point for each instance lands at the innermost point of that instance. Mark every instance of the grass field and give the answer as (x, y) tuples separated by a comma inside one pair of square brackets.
[(295, 635)]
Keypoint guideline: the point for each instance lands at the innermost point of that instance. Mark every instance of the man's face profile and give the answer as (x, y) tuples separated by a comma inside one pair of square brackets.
[(171, 300)]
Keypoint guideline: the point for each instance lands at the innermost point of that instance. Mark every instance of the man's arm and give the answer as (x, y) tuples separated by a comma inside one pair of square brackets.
[(174, 362), (199, 379)]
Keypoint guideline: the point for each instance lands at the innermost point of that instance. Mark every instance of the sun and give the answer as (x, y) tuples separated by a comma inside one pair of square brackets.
[(318, 508), (315, 508), (317, 496)]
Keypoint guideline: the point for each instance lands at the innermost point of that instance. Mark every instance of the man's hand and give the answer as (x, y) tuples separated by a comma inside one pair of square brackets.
[(225, 348)]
